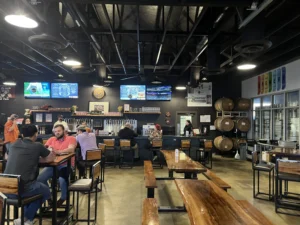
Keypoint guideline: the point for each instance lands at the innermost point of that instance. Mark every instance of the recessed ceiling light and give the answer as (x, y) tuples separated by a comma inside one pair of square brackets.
[(156, 82), (109, 81), (246, 66), (180, 88), (71, 62), (204, 78), (10, 83), (60, 75), (21, 21), (97, 85)]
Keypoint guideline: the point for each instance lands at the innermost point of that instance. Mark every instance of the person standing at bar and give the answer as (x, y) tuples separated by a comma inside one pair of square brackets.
[(60, 120), (155, 134), (59, 144), (26, 150), (188, 127), (11, 131)]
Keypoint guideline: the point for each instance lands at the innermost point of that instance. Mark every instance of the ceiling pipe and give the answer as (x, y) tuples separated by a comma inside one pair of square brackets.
[(203, 11), (138, 37), (252, 15), (205, 42), (163, 37), (113, 36), (95, 44)]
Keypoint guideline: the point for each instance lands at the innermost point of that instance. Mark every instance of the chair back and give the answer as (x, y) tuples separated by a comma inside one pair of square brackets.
[(96, 171), (102, 147), (125, 144), (157, 143), (185, 143), (1, 166), (10, 184), (45, 141), (2, 208), (288, 166), (255, 159), (110, 143), (208, 144), (93, 155)]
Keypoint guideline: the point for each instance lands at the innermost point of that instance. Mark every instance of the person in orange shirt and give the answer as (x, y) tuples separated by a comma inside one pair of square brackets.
[(11, 131)]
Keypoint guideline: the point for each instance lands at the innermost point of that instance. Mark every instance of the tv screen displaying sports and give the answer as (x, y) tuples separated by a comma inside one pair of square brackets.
[(64, 90), (133, 92), (159, 93), (37, 90)]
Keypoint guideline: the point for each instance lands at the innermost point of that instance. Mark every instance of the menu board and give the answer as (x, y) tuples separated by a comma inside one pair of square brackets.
[(200, 96), (64, 90), (133, 92)]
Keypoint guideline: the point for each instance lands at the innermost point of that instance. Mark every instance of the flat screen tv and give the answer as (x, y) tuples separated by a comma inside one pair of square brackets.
[(64, 90), (37, 90), (133, 92), (159, 93)]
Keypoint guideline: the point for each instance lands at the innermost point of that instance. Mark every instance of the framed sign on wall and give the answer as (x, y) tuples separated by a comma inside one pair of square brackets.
[(99, 107)]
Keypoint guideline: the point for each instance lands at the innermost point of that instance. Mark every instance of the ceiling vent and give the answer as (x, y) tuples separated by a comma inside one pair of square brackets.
[(83, 69), (48, 42), (253, 41), (213, 61)]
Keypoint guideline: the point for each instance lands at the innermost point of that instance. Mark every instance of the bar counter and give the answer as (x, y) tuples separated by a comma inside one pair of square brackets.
[(170, 142)]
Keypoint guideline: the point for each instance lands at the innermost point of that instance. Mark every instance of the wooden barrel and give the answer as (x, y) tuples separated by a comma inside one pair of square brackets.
[(224, 124), (223, 143), (224, 104), (243, 124), (243, 104), (238, 141)]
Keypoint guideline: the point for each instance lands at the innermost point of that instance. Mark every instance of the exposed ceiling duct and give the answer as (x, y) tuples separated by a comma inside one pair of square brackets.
[(213, 61), (50, 40), (194, 77), (101, 70)]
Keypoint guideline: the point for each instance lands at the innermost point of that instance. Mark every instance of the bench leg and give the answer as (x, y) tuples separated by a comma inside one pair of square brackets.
[(150, 193), (171, 174)]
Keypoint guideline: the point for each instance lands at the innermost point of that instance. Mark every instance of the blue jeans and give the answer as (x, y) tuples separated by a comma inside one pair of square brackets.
[(7, 147), (34, 189), (47, 173)]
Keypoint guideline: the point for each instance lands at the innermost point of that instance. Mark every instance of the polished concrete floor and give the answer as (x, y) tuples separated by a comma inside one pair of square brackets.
[(120, 202)]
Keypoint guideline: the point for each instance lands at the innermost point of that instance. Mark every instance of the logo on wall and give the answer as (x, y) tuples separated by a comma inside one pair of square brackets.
[(7, 92), (271, 81)]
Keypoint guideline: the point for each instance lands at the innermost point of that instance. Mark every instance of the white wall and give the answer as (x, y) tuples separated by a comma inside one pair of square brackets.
[(249, 86)]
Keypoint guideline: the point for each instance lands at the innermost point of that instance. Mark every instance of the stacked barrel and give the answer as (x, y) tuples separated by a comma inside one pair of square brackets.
[(228, 123)]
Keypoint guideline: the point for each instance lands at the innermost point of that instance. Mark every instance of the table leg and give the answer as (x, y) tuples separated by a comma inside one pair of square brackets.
[(188, 175), (68, 193), (171, 174), (54, 196)]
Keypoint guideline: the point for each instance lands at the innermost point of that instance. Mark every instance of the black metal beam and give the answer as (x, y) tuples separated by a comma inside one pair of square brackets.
[(213, 3), (113, 36), (138, 37), (188, 38), (163, 38)]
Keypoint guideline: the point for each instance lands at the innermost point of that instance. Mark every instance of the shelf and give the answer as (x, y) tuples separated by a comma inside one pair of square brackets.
[(154, 113), (96, 116), (236, 114)]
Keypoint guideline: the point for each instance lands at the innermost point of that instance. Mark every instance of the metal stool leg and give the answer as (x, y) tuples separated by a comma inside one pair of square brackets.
[(253, 183)]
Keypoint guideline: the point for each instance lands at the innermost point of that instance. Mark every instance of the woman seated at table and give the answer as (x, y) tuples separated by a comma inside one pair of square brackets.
[(155, 134)]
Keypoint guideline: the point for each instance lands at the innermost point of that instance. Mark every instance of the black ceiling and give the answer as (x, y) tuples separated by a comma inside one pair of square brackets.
[(148, 39)]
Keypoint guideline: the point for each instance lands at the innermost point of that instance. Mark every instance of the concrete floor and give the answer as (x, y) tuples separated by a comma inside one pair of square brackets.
[(120, 202)]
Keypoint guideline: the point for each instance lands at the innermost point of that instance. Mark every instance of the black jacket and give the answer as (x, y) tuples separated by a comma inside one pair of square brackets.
[(127, 133), (188, 128)]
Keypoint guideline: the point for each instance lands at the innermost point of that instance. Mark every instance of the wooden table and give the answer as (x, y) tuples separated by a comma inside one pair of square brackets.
[(184, 165), (207, 204), (57, 162), (285, 152)]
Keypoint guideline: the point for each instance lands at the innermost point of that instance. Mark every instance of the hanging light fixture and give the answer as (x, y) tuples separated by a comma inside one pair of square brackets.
[(180, 87), (21, 21), (246, 66), (71, 62), (9, 83)]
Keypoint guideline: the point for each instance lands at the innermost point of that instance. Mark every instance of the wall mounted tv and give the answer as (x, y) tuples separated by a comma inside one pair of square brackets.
[(132, 92), (37, 90), (64, 90), (159, 93)]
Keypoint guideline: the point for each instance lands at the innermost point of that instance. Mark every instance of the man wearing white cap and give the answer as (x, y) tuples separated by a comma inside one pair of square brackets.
[(62, 122), (11, 131)]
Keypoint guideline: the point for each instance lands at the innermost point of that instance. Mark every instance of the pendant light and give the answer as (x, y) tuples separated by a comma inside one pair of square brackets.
[(21, 21)]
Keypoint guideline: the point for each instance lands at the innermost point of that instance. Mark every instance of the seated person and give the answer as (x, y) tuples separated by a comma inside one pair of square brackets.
[(61, 143), (155, 134), (28, 151), (87, 141), (128, 133)]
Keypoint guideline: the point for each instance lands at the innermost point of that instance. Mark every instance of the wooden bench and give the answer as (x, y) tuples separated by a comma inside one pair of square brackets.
[(218, 181), (253, 212), (150, 180), (150, 212)]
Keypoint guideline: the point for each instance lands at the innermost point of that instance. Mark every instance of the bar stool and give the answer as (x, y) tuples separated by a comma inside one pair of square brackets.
[(186, 146), (205, 154), (3, 200), (11, 184), (125, 146), (156, 146), (102, 147), (110, 147), (87, 185), (286, 170), (262, 167)]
